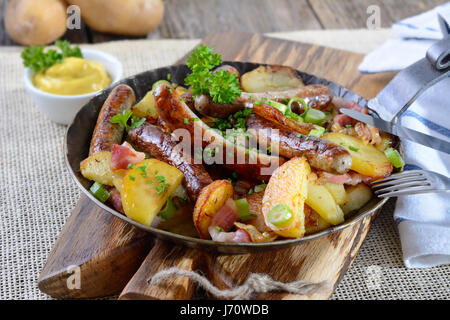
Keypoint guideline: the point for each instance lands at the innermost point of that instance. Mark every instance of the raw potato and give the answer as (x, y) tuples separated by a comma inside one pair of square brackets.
[(270, 78), (358, 196), (338, 192), (368, 160), (131, 17), (289, 186), (140, 199), (31, 22), (146, 107), (211, 199), (97, 168), (321, 201)]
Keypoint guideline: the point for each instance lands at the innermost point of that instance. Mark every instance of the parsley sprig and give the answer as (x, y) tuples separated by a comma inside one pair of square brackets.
[(222, 86), (122, 118), (37, 59)]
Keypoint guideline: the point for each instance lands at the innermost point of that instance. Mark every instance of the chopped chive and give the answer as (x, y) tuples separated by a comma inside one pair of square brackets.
[(130, 166), (219, 229), (353, 148), (250, 191), (186, 121), (348, 125), (132, 178)]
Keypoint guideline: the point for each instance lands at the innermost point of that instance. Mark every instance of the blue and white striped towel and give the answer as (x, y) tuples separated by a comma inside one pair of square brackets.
[(423, 220)]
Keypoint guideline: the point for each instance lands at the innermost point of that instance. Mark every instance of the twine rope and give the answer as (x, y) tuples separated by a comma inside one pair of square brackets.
[(255, 283)]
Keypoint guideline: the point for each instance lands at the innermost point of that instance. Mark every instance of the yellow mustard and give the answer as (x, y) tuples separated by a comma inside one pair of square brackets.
[(73, 76)]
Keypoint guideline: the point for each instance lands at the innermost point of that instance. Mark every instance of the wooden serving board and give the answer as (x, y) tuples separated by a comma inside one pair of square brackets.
[(109, 252)]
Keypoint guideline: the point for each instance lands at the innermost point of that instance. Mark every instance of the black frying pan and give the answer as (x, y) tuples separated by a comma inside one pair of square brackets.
[(79, 133)]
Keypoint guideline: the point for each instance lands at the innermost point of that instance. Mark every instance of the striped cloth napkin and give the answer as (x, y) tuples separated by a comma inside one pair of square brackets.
[(423, 220)]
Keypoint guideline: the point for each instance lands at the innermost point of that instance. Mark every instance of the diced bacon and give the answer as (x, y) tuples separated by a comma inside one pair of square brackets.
[(116, 199), (220, 236), (350, 178), (123, 155), (226, 216), (344, 120)]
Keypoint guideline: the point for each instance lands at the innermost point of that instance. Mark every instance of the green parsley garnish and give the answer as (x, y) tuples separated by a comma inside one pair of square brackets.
[(219, 229), (122, 118), (222, 86), (35, 58)]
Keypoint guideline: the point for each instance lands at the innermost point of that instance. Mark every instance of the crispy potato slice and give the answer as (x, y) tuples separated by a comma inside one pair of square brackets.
[(145, 107), (358, 196), (96, 167), (211, 199), (366, 159), (321, 201), (117, 178), (338, 192), (270, 78), (319, 226), (288, 186), (145, 192)]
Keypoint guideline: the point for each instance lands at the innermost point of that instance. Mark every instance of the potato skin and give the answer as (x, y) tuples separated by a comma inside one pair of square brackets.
[(132, 17), (31, 22), (210, 200)]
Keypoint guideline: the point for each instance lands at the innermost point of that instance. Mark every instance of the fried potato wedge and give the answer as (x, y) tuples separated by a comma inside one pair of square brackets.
[(321, 201), (96, 168), (211, 199), (146, 188), (320, 224), (288, 187), (117, 178), (338, 192), (270, 78), (366, 159), (145, 107), (358, 196)]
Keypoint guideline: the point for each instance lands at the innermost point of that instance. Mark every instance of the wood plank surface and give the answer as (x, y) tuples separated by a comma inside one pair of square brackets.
[(327, 258), (195, 18), (107, 251)]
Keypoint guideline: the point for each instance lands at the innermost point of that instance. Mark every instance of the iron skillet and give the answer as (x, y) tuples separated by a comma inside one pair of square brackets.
[(78, 138)]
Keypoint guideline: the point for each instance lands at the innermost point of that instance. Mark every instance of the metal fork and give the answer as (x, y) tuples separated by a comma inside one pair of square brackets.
[(411, 182)]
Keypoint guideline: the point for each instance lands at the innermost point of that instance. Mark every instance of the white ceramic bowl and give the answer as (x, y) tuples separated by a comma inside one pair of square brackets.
[(61, 108)]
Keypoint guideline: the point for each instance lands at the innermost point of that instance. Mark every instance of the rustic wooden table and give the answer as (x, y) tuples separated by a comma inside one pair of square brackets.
[(195, 18)]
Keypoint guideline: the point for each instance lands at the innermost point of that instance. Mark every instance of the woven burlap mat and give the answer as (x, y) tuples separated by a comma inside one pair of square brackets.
[(37, 193)]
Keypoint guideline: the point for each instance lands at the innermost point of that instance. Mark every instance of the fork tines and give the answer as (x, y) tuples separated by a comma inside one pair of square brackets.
[(404, 183)]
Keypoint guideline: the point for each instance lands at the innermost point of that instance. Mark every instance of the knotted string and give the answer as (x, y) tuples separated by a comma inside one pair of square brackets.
[(255, 283)]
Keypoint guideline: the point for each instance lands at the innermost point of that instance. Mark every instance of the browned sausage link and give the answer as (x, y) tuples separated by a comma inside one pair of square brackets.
[(316, 96), (106, 133), (159, 145), (177, 115), (205, 105), (321, 154), (277, 117)]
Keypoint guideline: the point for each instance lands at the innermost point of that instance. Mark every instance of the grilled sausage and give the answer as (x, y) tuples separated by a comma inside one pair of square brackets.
[(321, 154), (159, 144), (315, 96), (106, 133), (177, 115)]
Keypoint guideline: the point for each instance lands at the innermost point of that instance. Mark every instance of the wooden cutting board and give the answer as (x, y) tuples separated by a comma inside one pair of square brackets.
[(109, 252)]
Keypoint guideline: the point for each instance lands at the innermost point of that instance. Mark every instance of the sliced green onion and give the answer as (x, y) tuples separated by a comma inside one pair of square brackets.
[(168, 211), (394, 157), (157, 83), (318, 131), (302, 102), (282, 107), (353, 148), (260, 187), (314, 116), (99, 192), (219, 229), (280, 215), (243, 210), (293, 116)]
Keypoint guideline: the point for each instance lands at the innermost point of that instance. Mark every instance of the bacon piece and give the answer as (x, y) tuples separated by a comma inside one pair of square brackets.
[(123, 155), (226, 216), (236, 236), (351, 178), (115, 199)]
